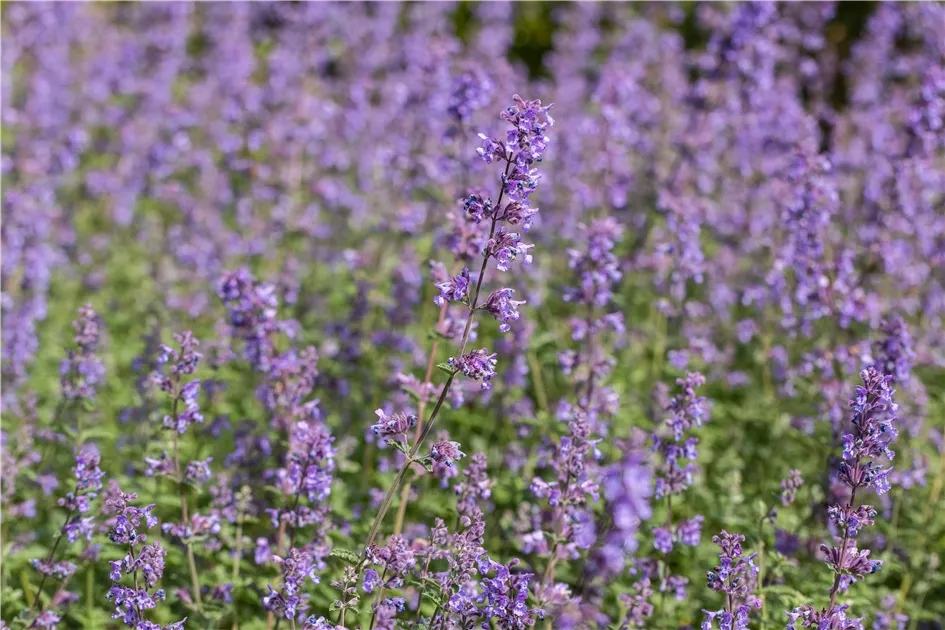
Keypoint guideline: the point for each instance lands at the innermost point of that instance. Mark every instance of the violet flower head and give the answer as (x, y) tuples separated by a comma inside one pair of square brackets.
[(504, 598), (476, 208), (662, 540), (469, 91), (476, 486), (393, 425), (736, 578), (478, 365), (132, 604), (687, 408), (199, 471), (833, 619), (505, 247), (251, 312), (456, 289), (689, 532), (82, 371), (639, 608), (297, 567), (790, 486), (503, 308), (184, 358), (182, 361), (874, 417), (627, 490), (894, 353), (88, 480), (446, 452), (595, 263)]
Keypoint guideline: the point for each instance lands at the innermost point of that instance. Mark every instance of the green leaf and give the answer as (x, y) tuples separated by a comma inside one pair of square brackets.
[(344, 554), (446, 367), (400, 446)]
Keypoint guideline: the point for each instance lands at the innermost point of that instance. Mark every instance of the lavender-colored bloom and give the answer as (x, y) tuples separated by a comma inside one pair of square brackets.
[(446, 452), (88, 480), (503, 308), (59, 570), (689, 532), (46, 619), (476, 208), (199, 471), (790, 486), (874, 415), (662, 540), (184, 359), (252, 315), (893, 353), (455, 289), (834, 619), (677, 585), (478, 365), (370, 580), (736, 578), (393, 425), (505, 247), (686, 410), (81, 372), (627, 489), (476, 486), (504, 597), (888, 618), (469, 92), (639, 608)]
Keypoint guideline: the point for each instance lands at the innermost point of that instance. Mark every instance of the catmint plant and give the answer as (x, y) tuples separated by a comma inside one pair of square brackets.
[(521, 151), (873, 417)]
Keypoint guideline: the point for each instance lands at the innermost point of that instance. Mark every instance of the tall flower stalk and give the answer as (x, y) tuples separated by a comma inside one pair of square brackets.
[(183, 361), (874, 418), (522, 149)]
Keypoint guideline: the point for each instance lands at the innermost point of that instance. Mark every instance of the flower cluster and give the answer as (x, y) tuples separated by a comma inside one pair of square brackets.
[(736, 578), (685, 411), (132, 602), (182, 361), (82, 371), (478, 365), (873, 417), (288, 601), (750, 190), (251, 313)]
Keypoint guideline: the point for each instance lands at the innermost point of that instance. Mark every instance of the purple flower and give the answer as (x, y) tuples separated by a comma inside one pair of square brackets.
[(370, 580), (662, 540), (690, 532), (639, 608), (393, 425), (505, 247), (502, 307), (478, 365), (446, 452), (476, 486), (790, 486), (504, 598), (477, 208), (456, 289), (183, 360), (199, 471), (736, 578), (833, 619), (874, 415), (81, 372)]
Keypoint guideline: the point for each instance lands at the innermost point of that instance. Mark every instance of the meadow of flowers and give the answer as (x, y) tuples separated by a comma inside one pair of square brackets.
[(310, 321)]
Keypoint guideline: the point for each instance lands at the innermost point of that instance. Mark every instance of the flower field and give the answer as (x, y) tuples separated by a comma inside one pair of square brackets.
[(473, 315)]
